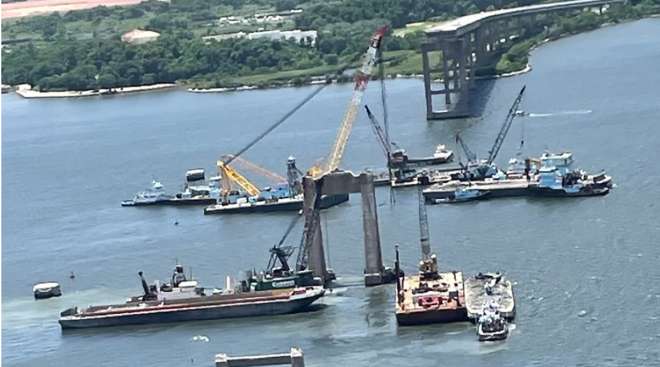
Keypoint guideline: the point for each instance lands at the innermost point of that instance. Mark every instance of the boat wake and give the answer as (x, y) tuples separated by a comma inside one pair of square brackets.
[(337, 292), (560, 113)]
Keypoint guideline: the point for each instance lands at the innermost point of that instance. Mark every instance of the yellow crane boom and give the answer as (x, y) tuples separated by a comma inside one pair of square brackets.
[(362, 77), (272, 176), (230, 175)]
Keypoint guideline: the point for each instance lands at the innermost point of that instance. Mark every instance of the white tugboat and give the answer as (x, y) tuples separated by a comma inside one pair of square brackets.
[(491, 326), (154, 195)]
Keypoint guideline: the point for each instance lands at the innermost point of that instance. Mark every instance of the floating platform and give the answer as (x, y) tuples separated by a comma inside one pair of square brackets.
[(450, 298), (509, 188), (173, 201), (285, 204), (428, 301), (423, 178), (475, 297), (262, 303)]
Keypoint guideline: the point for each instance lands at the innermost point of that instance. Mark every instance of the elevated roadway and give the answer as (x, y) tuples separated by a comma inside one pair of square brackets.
[(475, 42)]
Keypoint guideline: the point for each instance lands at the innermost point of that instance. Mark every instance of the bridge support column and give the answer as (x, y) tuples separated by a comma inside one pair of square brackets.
[(311, 188), (335, 183), (455, 78), (373, 258)]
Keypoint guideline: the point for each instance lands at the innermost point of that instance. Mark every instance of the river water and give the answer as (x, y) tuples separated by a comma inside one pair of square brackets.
[(586, 270)]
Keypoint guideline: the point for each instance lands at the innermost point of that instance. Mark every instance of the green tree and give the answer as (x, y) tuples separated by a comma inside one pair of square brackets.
[(331, 59)]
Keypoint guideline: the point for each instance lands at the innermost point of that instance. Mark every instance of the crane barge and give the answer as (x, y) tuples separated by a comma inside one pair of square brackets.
[(400, 167), (254, 202), (549, 175), (286, 195)]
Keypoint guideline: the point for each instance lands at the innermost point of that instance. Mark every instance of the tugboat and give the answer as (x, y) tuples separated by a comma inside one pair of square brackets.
[(429, 296), (195, 192), (46, 290), (551, 182), (184, 300), (491, 326), (153, 196)]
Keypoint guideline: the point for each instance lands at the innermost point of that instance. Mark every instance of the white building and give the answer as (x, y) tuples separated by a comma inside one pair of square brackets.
[(276, 35), (138, 36)]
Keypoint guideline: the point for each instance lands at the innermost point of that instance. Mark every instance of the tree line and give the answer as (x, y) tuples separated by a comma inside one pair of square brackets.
[(65, 62)]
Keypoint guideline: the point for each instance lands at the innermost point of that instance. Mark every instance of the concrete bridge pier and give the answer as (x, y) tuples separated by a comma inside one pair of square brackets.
[(374, 271), (471, 45), (455, 84), (335, 183), (312, 230)]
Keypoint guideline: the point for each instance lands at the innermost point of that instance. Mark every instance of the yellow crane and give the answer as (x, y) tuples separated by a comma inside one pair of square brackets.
[(362, 77), (230, 175)]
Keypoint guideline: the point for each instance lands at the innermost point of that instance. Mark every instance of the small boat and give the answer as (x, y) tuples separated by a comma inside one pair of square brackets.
[(186, 301), (153, 196), (463, 194), (46, 290), (440, 156), (491, 326), (443, 153)]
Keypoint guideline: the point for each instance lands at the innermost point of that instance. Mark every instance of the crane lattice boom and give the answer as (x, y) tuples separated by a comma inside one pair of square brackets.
[(469, 155), (272, 176), (230, 175), (380, 134), (361, 79), (505, 128)]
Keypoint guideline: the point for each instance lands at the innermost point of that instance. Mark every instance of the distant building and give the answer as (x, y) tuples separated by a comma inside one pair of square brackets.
[(276, 35), (138, 36)]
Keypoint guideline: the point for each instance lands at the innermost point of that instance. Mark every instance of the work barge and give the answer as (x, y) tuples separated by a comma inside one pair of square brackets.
[(551, 175), (432, 296)]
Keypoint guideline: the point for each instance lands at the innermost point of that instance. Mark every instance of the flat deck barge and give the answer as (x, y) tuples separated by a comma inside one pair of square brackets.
[(173, 201), (285, 204), (476, 296), (261, 303), (427, 301), (508, 188)]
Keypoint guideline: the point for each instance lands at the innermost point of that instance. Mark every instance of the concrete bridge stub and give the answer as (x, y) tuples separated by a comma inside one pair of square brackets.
[(294, 358), (312, 232), (343, 183)]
